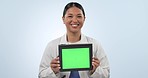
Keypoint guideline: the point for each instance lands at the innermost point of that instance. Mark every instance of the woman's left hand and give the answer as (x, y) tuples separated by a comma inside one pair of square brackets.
[(95, 64)]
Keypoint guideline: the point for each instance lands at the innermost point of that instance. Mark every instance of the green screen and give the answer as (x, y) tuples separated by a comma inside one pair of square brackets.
[(75, 58)]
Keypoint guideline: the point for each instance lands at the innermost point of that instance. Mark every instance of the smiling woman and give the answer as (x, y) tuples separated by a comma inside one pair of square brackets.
[(26, 26), (73, 18)]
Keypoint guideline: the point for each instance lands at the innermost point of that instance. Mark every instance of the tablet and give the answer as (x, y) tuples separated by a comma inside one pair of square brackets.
[(75, 57)]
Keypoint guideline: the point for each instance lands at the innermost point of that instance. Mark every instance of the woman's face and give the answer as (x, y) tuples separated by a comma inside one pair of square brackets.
[(74, 20)]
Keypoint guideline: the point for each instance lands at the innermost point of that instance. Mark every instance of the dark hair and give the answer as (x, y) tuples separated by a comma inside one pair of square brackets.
[(73, 4)]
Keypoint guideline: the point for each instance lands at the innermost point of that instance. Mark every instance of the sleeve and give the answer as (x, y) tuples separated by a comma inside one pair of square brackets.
[(103, 71), (45, 70)]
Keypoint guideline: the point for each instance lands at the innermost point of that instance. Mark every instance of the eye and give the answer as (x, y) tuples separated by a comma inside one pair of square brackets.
[(70, 16), (79, 16)]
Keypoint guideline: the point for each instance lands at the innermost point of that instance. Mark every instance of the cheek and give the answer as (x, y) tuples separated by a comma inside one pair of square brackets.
[(67, 21), (82, 21)]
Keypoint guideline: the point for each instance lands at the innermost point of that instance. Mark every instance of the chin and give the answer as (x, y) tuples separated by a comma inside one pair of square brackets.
[(75, 31)]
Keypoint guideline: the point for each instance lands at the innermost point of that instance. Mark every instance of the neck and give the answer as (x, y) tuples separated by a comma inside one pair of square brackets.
[(73, 37)]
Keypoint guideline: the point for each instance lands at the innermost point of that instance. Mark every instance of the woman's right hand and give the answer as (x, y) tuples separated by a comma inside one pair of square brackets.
[(55, 65)]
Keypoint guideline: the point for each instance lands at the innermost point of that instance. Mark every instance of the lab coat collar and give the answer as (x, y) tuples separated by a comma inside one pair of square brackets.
[(64, 40)]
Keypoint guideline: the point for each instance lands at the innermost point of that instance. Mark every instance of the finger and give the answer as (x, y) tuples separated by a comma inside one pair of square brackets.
[(59, 67), (95, 64), (57, 58), (55, 65), (95, 58), (96, 61), (56, 70), (55, 61), (94, 67)]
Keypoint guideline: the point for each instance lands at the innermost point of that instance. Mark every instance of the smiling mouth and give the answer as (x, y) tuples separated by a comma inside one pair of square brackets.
[(74, 25)]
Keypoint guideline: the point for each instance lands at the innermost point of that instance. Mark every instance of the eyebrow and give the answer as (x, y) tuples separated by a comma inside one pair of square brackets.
[(72, 14), (79, 14)]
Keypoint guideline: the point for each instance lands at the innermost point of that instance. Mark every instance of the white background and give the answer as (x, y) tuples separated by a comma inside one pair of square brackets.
[(26, 26)]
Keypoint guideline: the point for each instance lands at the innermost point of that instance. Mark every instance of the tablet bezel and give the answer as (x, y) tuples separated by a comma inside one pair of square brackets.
[(69, 46)]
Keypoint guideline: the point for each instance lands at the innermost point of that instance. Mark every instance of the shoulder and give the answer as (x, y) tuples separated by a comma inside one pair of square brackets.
[(54, 42), (96, 44), (98, 50), (92, 40)]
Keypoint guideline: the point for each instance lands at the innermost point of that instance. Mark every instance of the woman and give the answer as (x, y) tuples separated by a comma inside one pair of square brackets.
[(73, 18)]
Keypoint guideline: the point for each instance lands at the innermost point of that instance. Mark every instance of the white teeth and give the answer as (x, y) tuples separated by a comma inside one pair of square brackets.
[(75, 25)]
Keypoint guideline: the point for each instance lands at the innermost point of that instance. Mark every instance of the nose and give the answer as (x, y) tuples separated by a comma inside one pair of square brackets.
[(74, 19)]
